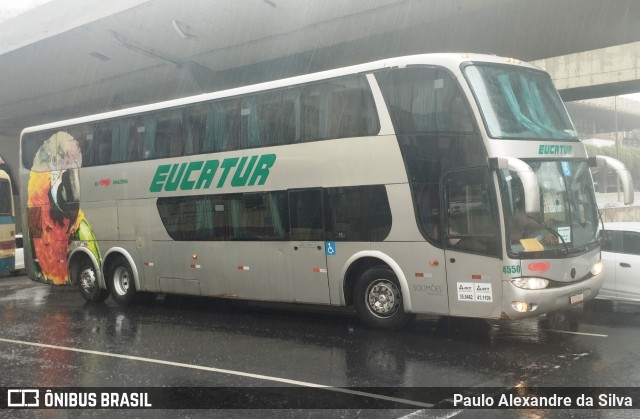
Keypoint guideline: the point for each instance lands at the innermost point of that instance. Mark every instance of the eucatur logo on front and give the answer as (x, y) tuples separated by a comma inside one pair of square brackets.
[(555, 149), (200, 174)]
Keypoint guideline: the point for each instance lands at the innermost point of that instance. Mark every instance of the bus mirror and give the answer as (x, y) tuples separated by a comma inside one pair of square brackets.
[(621, 170), (527, 177)]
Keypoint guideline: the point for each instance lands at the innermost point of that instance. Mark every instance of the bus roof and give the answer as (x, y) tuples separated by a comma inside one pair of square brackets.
[(448, 60)]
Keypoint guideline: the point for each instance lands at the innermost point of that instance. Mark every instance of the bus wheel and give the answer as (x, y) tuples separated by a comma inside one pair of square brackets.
[(123, 289), (378, 299), (87, 281)]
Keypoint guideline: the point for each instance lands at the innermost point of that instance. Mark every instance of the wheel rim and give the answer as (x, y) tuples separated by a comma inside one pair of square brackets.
[(383, 298), (88, 281), (121, 280)]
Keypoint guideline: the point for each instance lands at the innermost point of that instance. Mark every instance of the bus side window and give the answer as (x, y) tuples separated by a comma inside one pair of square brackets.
[(136, 142), (305, 215), (359, 213), (102, 145), (352, 109), (169, 135), (83, 134), (5, 204), (217, 129), (227, 126), (315, 103), (470, 223), (428, 209), (277, 116), (196, 129), (249, 132)]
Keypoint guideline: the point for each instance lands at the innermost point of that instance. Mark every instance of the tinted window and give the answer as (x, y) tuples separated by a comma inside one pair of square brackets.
[(5, 197), (357, 213), (631, 243), (254, 216), (169, 139), (350, 214), (277, 114), (470, 223), (30, 145), (611, 240), (425, 100), (306, 215), (337, 109)]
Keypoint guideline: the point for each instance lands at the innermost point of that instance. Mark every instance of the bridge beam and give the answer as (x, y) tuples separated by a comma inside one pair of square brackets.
[(601, 72)]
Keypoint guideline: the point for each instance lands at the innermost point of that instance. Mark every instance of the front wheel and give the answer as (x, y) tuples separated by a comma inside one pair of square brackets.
[(123, 289), (378, 299)]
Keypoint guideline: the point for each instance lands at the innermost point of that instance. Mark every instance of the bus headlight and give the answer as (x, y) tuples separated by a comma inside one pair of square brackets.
[(530, 283), (596, 269), (522, 307)]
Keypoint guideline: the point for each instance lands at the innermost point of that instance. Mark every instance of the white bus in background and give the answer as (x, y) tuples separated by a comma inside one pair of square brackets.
[(452, 184), (7, 225)]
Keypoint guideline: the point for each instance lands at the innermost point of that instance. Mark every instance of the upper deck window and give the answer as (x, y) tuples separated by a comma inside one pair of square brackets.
[(425, 100), (341, 107), (517, 102)]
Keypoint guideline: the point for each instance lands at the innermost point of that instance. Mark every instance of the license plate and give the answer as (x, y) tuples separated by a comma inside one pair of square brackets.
[(576, 298)]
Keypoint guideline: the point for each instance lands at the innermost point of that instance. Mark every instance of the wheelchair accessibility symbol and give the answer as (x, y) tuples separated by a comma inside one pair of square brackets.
[(330, 248)]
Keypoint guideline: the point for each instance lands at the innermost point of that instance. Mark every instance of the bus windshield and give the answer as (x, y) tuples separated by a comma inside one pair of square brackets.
[(567, 217), (516, 102)]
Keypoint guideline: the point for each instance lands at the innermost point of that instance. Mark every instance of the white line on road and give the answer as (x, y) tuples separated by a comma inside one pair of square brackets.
[(575, 333), (223, 371)]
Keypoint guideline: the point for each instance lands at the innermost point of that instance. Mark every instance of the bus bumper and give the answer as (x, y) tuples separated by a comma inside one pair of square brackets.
[(522, 303)]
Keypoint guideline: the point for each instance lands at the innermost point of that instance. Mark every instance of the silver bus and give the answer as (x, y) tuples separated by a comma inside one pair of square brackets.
[(452, 184)]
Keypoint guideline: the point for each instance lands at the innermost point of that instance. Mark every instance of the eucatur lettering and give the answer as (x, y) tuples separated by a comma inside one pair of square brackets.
[(205, 174)]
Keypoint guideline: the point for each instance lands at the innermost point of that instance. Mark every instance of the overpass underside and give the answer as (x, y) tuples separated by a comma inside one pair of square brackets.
[(604, 72)]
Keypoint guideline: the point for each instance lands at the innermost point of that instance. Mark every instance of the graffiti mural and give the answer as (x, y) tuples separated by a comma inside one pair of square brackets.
[(55, 218)]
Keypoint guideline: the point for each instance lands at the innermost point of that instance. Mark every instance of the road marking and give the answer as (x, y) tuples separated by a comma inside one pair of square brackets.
[(575, 333), (223, 371)]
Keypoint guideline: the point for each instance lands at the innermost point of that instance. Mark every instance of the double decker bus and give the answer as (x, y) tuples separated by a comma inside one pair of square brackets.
[(452, 184), (7, 224)]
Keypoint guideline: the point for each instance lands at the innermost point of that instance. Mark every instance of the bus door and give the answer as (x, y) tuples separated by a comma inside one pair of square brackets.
[(309, 280), (471, 244)]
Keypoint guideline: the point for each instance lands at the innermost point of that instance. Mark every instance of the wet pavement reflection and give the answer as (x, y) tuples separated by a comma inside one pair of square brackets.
[(265, 345)]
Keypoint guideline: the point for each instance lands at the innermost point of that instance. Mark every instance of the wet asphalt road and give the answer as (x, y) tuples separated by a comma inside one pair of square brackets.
[(49, 337)]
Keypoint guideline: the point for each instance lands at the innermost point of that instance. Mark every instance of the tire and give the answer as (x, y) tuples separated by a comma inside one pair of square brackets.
[(121, 282), (87, 280), (378, 299)]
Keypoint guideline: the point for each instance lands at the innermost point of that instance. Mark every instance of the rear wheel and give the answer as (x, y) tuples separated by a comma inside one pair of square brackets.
[(378, 299), (87, 280), (121, 284)]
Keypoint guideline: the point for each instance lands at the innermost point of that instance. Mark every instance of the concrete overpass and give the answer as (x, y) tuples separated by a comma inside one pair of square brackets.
[(596, 73), (70, 58)]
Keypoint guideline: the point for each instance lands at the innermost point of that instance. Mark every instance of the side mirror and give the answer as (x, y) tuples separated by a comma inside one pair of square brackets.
[(527, 177), (621, 170)]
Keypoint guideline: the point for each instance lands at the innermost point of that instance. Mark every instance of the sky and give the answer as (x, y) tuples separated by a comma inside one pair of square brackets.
[(11, 8)]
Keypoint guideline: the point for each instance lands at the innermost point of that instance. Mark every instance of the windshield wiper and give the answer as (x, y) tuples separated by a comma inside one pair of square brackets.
[(552, 231)]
